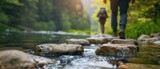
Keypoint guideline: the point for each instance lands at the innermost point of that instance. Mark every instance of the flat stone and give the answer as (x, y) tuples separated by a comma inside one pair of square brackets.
[(124, 41), (149, 41), (117, 49), (142, 37), (95, 40), (58, 49), (14, 59), (78, 41), (155, 35), (157, 42), (100, 40)]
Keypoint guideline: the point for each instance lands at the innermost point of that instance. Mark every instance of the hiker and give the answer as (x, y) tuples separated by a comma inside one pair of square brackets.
[(123, 5), (102, 15)]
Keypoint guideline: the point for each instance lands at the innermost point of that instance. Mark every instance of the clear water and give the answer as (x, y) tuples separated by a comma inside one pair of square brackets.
[(27, 40)]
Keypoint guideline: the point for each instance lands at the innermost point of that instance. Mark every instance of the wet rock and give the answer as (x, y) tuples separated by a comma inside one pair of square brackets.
[(100, 40), (14, 59), (117, 49), (78, 41), (95, 40), (124, 41), (155, 35), (157, 42), (142, 37), (58, 49), (153, 39), (149, 41)]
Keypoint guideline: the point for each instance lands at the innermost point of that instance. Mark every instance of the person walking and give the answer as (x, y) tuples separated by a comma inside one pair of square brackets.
[(123, 5), (102, 15)]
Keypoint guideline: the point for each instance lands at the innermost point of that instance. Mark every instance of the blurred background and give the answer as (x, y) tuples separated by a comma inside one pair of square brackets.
[(75, 16)]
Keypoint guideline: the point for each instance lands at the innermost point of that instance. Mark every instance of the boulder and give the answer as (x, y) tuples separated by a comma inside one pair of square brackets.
[(58, 49), (157, 42), (142, 37), (149, 41), (153, 39), (124, 41), (14, 59), (155, 35), (117, 49), (78, 41)]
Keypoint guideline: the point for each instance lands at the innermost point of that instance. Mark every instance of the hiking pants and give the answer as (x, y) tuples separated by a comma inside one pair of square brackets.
[(123, 5)]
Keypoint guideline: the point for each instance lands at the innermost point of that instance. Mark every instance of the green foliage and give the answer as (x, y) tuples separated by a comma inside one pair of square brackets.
[(134, 30), (47, 15), (3, 17), (42, 26)]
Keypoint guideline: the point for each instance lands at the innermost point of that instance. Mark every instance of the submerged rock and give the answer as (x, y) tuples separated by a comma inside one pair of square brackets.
[(78, 41), (117, 49), (124, 41), (58, 49), (14, 59)]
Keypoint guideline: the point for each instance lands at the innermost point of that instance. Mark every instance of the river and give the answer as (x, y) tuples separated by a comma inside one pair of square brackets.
[(26, 41)]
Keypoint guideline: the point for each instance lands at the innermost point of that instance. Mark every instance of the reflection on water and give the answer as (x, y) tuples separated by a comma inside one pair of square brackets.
[(31, 39)]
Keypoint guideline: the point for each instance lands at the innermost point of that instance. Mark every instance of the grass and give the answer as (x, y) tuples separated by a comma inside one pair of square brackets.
[(134, 30)]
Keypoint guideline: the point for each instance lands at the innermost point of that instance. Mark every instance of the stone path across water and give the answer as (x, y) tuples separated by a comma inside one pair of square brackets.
[(108, 45)]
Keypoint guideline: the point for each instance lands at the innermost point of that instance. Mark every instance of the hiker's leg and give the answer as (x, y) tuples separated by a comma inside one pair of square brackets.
[(114, 9), (102, 22), (124, 4)]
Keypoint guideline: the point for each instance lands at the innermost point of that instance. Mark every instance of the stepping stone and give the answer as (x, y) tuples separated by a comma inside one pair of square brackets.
[(15, 59), (153, 39), (117, 49), (100, 40), (142, 37), (150, 41), (124, 41), (157, 43), (83, 42), (58, 49)]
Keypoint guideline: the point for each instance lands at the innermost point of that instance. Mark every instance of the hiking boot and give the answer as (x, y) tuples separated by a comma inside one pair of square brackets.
[(122, 34)]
